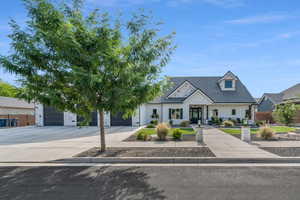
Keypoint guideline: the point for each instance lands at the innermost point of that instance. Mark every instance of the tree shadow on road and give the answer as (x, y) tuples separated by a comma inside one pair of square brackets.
[(33, 183)]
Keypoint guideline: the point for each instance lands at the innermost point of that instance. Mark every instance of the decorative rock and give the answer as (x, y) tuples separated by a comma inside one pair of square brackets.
[(246, 134), (292, 135)]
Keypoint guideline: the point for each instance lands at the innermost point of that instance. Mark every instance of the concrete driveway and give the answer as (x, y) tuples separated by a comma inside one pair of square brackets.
[(51, 143)]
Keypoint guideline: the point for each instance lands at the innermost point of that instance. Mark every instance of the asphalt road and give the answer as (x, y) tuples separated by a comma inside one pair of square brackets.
[(131, 183)]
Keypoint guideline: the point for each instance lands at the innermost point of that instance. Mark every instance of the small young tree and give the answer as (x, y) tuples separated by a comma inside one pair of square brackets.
[(285, 113), (82, 63)]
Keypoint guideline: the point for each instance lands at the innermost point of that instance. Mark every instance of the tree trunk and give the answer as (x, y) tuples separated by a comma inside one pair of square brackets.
[(102, 131)]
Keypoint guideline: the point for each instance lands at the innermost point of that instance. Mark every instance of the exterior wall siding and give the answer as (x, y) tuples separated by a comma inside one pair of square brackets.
[(183, 91), (225, 111), (166, 108), (16, 111), (70, 119), (149, 112)]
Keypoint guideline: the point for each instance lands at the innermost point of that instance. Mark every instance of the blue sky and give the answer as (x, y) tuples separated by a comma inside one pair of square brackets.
[(257, 40)]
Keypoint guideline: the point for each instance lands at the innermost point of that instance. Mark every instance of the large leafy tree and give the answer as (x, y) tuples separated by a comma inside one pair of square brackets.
[(82, 63), (8, 90), (285, 113)]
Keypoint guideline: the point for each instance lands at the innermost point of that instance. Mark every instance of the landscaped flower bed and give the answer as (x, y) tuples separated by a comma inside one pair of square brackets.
[(148, 152), (279, 131), (188, 134), (283, 151)]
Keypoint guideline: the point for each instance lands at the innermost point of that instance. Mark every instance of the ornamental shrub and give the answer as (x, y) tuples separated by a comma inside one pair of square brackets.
[(266, 133), (142, 135), (150, 126), (185, 123), (155, 122), (162, 131), (177, 134), (228, 123)]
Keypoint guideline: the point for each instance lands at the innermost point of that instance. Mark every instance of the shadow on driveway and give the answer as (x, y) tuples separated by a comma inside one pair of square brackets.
[(48, 183)]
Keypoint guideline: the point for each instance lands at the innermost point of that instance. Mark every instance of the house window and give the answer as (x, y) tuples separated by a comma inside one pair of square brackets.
[(247, 114), (176, 113), (228, 84), (233, 112), (154, 113), (215, 113)]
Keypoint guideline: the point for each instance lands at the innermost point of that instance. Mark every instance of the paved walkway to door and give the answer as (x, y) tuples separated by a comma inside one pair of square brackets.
[(227, 146)]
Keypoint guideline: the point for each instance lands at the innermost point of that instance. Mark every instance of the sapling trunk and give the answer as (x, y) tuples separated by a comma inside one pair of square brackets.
[(102, 131)]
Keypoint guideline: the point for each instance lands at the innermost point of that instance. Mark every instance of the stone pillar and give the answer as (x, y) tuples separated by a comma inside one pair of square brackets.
[(39, 114), (246, 134), (199, 135)]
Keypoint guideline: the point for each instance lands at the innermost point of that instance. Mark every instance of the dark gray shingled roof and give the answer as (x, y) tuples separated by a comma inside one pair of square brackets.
[(210, 87), (288, 94), (292, 92), (276, 98)]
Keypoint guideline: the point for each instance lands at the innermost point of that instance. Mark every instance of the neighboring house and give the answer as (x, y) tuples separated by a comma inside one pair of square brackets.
[(188, 99), (16, 112), (269, 101)]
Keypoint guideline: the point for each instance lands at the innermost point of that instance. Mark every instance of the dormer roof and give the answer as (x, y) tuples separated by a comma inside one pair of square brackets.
[(228, 75)]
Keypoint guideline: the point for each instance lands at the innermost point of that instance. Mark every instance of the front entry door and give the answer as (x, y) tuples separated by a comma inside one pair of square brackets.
[(195, 115)]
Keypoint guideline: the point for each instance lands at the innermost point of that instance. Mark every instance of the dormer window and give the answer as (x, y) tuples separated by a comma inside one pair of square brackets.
[(228, 84)]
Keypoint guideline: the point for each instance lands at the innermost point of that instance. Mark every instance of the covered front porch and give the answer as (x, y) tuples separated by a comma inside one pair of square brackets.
[(198, 114), (204, 113)]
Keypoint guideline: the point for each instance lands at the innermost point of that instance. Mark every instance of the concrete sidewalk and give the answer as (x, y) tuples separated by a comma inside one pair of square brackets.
[(224, 145)]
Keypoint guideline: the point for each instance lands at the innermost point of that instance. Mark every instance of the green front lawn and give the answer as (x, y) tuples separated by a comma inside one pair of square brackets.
[(152, 131), (233, 131), (277, 129)]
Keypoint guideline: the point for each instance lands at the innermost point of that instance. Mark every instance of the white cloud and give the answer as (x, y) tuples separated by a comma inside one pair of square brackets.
[(276, 38), (260, 19), (288, 35), (113, 3), (173, 3), (221, 3), (226, 3)]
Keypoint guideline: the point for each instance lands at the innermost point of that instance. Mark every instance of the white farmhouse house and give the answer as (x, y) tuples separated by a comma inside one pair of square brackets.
[(191, 99)]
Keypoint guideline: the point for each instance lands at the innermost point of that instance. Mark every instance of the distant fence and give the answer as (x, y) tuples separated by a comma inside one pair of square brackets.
[(297, 118), (264, 116)]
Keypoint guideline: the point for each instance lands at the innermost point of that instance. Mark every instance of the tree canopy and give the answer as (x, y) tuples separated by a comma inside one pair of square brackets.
[(285, 113), (82, 63), (8, 90)]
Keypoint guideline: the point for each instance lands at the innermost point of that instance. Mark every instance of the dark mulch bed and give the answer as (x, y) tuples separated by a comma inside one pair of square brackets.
[(149, 152), (189, 137), (255, 138), (284, 151), (238, 126)]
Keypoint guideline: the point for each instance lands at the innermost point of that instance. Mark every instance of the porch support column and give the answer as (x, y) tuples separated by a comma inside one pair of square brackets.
[(206, 112)]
